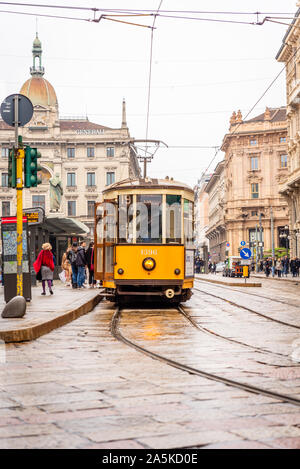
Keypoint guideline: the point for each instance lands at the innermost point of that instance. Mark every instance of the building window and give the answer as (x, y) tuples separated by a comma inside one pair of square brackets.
[(90, 179), (253, 141), (90, 151), (110, 178), (254, 213), (71, 181), (282, 139), (4, 180), (254, 163), (254, 190), (71, 208), (283, 161), (71, 152), (90, 208), (5, 209), (39, 201), (4, 152), (110, 151)]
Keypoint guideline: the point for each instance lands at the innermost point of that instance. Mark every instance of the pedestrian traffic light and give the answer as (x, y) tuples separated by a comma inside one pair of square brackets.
[(12, 169), (31, 167)]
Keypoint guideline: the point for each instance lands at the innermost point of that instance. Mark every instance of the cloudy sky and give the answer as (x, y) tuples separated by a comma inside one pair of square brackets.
[(201, 72)]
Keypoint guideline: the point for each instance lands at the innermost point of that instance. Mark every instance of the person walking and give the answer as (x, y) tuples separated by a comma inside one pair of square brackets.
[(71, 256), (90, 264), (45, 265), (81, 265), (214, 268)]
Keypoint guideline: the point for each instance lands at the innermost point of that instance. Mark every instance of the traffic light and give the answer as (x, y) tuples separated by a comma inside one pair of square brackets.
[(12, 169), (31, 167)]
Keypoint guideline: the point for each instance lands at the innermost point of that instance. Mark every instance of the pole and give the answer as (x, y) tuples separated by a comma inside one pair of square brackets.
[(145, 167), (260, 238), (272, 232), (19, 155), (256, 258)]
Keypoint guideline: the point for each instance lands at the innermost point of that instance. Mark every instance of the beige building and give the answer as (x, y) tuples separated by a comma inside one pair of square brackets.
[(83, 156), (289, 54), (216, 230), (201, 216), (255, 163)]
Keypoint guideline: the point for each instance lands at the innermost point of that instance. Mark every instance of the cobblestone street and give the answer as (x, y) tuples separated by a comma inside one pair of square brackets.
[(78, 387)]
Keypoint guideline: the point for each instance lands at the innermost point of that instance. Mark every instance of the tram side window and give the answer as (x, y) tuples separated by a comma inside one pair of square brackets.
[(125, 223), (148, 218), (173, 218), (188, 222)]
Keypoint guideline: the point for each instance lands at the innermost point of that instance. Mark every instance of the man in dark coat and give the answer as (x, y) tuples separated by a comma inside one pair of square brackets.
[(72, 256), (81, 264)]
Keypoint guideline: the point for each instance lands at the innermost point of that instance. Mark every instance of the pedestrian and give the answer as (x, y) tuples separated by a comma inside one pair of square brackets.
[(71, 256), (81, 265), (267, 268), (293, 265), (66, 267), (197, 265), (45, 266), (90, 264), (214, 268), (278, 267)]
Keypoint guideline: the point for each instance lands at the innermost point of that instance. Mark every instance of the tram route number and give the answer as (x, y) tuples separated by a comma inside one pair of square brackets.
[(148, 252), (152, 458)]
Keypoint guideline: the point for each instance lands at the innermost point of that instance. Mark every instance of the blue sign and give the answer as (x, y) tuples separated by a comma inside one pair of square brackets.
[(245, 253), (243, 243)]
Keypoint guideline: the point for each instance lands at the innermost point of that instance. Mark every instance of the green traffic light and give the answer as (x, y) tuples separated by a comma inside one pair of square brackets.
[(31, 167)]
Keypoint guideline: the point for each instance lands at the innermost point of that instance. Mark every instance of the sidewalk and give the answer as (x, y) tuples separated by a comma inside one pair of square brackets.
[(285, 279), (230, 281), (45, 313)]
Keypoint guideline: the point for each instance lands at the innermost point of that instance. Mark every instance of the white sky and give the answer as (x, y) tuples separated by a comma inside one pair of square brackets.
[(202, 71)]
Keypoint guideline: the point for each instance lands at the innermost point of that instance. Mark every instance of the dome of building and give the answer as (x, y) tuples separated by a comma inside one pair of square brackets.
[(39, 91), (37, 88)]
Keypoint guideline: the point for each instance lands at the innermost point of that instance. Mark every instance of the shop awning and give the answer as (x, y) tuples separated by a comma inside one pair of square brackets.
[(64, 226)]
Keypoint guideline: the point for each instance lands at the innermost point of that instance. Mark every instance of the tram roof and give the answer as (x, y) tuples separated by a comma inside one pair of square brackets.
[(140, 183)]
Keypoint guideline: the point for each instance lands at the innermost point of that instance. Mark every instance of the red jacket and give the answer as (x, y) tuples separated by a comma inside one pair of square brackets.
[(45, 257)]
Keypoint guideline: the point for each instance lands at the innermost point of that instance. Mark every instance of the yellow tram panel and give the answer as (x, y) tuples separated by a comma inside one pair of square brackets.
[(167, 259)]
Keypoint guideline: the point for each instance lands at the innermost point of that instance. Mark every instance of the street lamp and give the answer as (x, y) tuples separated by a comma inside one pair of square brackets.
[(285, 235)]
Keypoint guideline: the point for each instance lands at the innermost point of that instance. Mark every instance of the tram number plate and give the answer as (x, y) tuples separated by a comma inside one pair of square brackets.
[(148, 252)]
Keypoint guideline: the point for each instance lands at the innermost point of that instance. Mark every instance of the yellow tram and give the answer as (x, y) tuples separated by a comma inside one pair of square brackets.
[(144, 240)]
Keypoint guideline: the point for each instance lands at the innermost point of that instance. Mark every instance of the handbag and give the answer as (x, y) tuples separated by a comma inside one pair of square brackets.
[(62, 276), (39, 275)]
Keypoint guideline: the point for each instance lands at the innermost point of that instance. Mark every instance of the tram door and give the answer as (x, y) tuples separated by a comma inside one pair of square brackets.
[(105, 239)]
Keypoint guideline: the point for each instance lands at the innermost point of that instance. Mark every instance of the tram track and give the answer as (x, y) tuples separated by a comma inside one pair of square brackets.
[(115, 330), (234, 341), (270, 318)]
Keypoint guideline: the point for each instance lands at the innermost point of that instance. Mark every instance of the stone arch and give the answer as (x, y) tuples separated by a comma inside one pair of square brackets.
[(45, 174)]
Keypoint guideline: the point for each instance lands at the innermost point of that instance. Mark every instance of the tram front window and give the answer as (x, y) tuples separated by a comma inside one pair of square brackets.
[(188, 222), (148, 218), (125, 219), (173, 218)]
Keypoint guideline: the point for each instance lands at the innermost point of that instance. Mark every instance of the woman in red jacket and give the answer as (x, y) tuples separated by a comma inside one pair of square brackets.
[(44, 264)]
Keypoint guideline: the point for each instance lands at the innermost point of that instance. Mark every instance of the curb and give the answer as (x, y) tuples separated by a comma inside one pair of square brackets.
[(295, 282), (230, 284), (33, 332)]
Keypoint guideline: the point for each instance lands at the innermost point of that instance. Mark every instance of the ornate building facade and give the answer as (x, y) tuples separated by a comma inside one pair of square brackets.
[(255, 164), (79, 156), (216, 229), (289, 54)]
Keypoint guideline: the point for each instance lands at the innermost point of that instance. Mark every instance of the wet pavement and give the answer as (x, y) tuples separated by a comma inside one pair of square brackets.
[(78, 387)]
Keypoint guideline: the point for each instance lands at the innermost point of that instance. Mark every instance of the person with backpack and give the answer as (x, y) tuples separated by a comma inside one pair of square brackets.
[(72, 256), (81, 265)]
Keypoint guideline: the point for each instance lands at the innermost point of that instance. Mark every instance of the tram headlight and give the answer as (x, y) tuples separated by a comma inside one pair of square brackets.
[(149, 263), (120, 271), (177, 271)]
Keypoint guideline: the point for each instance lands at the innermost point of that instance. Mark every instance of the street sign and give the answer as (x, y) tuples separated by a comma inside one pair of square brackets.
[(245, 253), (25, 110), (243, 243), (35, 216)]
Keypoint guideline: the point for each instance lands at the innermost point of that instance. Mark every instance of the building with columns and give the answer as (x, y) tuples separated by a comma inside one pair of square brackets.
[(289, 54), (255, 164), (82, 156)]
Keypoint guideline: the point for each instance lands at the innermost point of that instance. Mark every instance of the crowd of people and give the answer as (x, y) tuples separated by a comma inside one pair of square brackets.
[(77, 266), (279, 266)]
